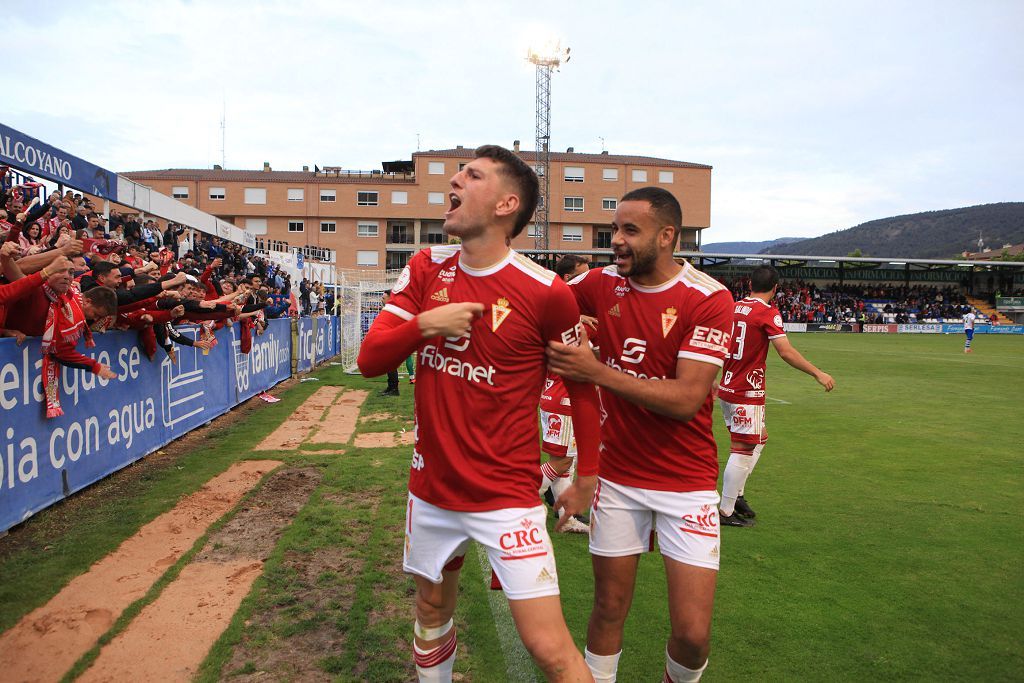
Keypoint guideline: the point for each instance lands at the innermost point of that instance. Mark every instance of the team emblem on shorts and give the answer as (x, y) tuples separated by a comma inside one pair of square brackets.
[(499, 311), (668, 319)]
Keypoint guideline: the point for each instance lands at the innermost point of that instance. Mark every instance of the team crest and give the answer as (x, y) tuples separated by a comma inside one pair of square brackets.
[(668, 319), (614, 311), (440, 295), (499, 311)]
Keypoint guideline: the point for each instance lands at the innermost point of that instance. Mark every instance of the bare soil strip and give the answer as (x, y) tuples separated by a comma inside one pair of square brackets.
[(50, 639), (298, 426), (384, 439), (341, 419), (170, 637)]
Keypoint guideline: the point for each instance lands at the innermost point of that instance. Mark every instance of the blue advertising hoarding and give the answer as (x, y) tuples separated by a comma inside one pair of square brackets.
[(36, 157)]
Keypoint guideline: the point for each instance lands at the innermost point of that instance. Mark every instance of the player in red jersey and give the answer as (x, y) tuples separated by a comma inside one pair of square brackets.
[(756, 322), (480, 316), (663, 331)]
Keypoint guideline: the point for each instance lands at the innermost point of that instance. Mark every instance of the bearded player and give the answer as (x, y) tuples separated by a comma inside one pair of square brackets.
[(480, 315), (663, 331), (756, 322)]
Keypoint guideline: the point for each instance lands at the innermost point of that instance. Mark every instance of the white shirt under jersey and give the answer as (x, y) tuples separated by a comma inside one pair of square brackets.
[(969, 319)]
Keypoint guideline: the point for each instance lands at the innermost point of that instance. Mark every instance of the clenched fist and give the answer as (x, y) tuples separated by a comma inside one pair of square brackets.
[(450, 320)]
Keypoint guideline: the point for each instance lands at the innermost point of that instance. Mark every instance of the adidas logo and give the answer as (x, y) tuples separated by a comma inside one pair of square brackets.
[(614, 311), (440, 295), (544, 576)]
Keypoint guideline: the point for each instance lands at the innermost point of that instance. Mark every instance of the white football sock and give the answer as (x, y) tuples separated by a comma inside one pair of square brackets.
[(603, 668), (677, 673), (736, 472), (753, 463), (436, 664), (548, 476)]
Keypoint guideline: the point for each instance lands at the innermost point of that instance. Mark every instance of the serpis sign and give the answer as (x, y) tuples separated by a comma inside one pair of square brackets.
[(38, 158)]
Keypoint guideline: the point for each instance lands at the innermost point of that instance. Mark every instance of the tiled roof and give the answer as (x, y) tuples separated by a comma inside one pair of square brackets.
[(566, 157)]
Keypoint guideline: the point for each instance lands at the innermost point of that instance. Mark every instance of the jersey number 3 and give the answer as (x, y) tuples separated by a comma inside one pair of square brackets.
[(738, 338)]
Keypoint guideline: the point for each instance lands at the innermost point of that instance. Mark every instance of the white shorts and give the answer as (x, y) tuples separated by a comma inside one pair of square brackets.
[(516, 540), (745, 422), (559, 439), (624, 519)]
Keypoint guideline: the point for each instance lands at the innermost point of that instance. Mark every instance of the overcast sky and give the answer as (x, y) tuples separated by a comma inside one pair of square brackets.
[(815, 115)]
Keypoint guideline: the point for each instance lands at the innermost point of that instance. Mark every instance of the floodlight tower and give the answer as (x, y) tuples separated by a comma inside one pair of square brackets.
[(546, 59)]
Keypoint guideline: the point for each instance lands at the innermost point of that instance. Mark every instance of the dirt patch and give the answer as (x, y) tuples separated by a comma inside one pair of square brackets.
[(297, 427), (340, 423), (375, 417), (304, 619), (170, 637), (51, 638), (384, 439)]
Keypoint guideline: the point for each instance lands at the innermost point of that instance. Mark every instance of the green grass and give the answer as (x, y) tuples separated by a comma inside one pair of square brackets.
[(886, 545)]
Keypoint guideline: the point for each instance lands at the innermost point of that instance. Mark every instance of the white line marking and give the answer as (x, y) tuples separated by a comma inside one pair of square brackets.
[(778, 400), (518, 662)]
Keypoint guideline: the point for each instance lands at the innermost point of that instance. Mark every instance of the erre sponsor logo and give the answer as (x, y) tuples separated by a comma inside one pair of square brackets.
[(710, 338), (633, 350), (572, 336)]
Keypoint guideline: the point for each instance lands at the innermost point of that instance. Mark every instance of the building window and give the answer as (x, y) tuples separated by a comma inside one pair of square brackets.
[(255, 195), (573, 174), (573, 203), (532, 230), (296, 194), (179, 192), (366, 198), (609, 203), (399, 197), (609, 174), (432, 232), (367, 229), (396, 260), (639, 176), (603, 239), (538, 171), (328, 226), (367, 258), (462, 165), (296, 226), (435, 168), (572, 233), (217, 193), (665, 176), (435, 198), (257, 226), (328, 195)]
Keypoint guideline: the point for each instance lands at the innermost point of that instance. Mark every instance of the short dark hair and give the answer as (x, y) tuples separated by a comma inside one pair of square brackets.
[(663, 203), (763, 278), (101, 267), (522, 176), (102, 298), (567, 264)]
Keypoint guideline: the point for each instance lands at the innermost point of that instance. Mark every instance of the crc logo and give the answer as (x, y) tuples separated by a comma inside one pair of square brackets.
[(527, 537), (633, 350), (457, 343), (554, 427), (706, 521), (756, 378)]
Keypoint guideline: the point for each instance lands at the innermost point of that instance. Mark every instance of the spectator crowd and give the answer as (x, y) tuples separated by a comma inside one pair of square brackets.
[(66, 271)]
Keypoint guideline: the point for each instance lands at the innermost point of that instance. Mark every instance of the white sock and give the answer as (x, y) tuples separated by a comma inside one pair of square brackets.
[(736, 472), (436, 664), (548, 476), (559, 486), (677, 673), (603, 668), (753, 463)]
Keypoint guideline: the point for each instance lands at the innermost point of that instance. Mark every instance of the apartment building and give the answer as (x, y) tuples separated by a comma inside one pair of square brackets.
[(378, 219)]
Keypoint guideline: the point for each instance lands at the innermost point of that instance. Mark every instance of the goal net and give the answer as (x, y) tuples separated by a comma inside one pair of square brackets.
[(360, 298)]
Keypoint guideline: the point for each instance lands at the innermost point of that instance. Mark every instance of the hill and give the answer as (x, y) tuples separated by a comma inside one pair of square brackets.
[(747, 247), (932, 234)]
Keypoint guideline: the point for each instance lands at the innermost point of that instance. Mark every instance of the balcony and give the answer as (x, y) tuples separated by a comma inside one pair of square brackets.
[(400, 232)]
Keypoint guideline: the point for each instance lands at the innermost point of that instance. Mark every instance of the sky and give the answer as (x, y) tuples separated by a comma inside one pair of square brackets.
[(816, 116)]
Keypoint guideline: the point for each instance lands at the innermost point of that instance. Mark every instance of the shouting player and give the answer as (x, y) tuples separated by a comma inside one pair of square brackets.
[(480, 316), (664, 333), (756, 322)]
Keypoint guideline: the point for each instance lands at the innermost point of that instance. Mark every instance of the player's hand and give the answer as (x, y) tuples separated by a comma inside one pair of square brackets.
[(577, 363), (825, 380), (203, 344), (10, 250), (106, 373), (19, 337), (450, 320), (575, 499), (177, 311), (588, 320), (714, 391)]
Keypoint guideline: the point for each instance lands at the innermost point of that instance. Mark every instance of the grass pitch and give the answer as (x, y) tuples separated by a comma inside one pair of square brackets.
[(887, 543)]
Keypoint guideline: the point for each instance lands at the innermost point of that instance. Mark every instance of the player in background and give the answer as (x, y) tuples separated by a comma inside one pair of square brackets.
[(969, 319), (558, 441), (756, 322), (663, 331), (480, 316)]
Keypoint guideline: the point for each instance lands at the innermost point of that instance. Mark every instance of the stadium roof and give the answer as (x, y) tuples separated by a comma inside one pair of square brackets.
[(257, 176), (583, 157)]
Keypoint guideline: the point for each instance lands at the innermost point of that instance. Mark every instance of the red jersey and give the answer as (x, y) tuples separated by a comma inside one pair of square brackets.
[(644, 331), (555, 397), (754, 324), (477, 440)]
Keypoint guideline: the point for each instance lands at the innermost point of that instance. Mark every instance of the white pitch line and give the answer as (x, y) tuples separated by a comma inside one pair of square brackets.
[(778, 400), (518, 663)]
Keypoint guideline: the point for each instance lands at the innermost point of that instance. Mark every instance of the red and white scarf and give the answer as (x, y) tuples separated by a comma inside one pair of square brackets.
[(65, 325)]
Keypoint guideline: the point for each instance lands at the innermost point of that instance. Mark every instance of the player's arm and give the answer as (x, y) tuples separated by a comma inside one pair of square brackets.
[(796, 359), (393, 338)]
